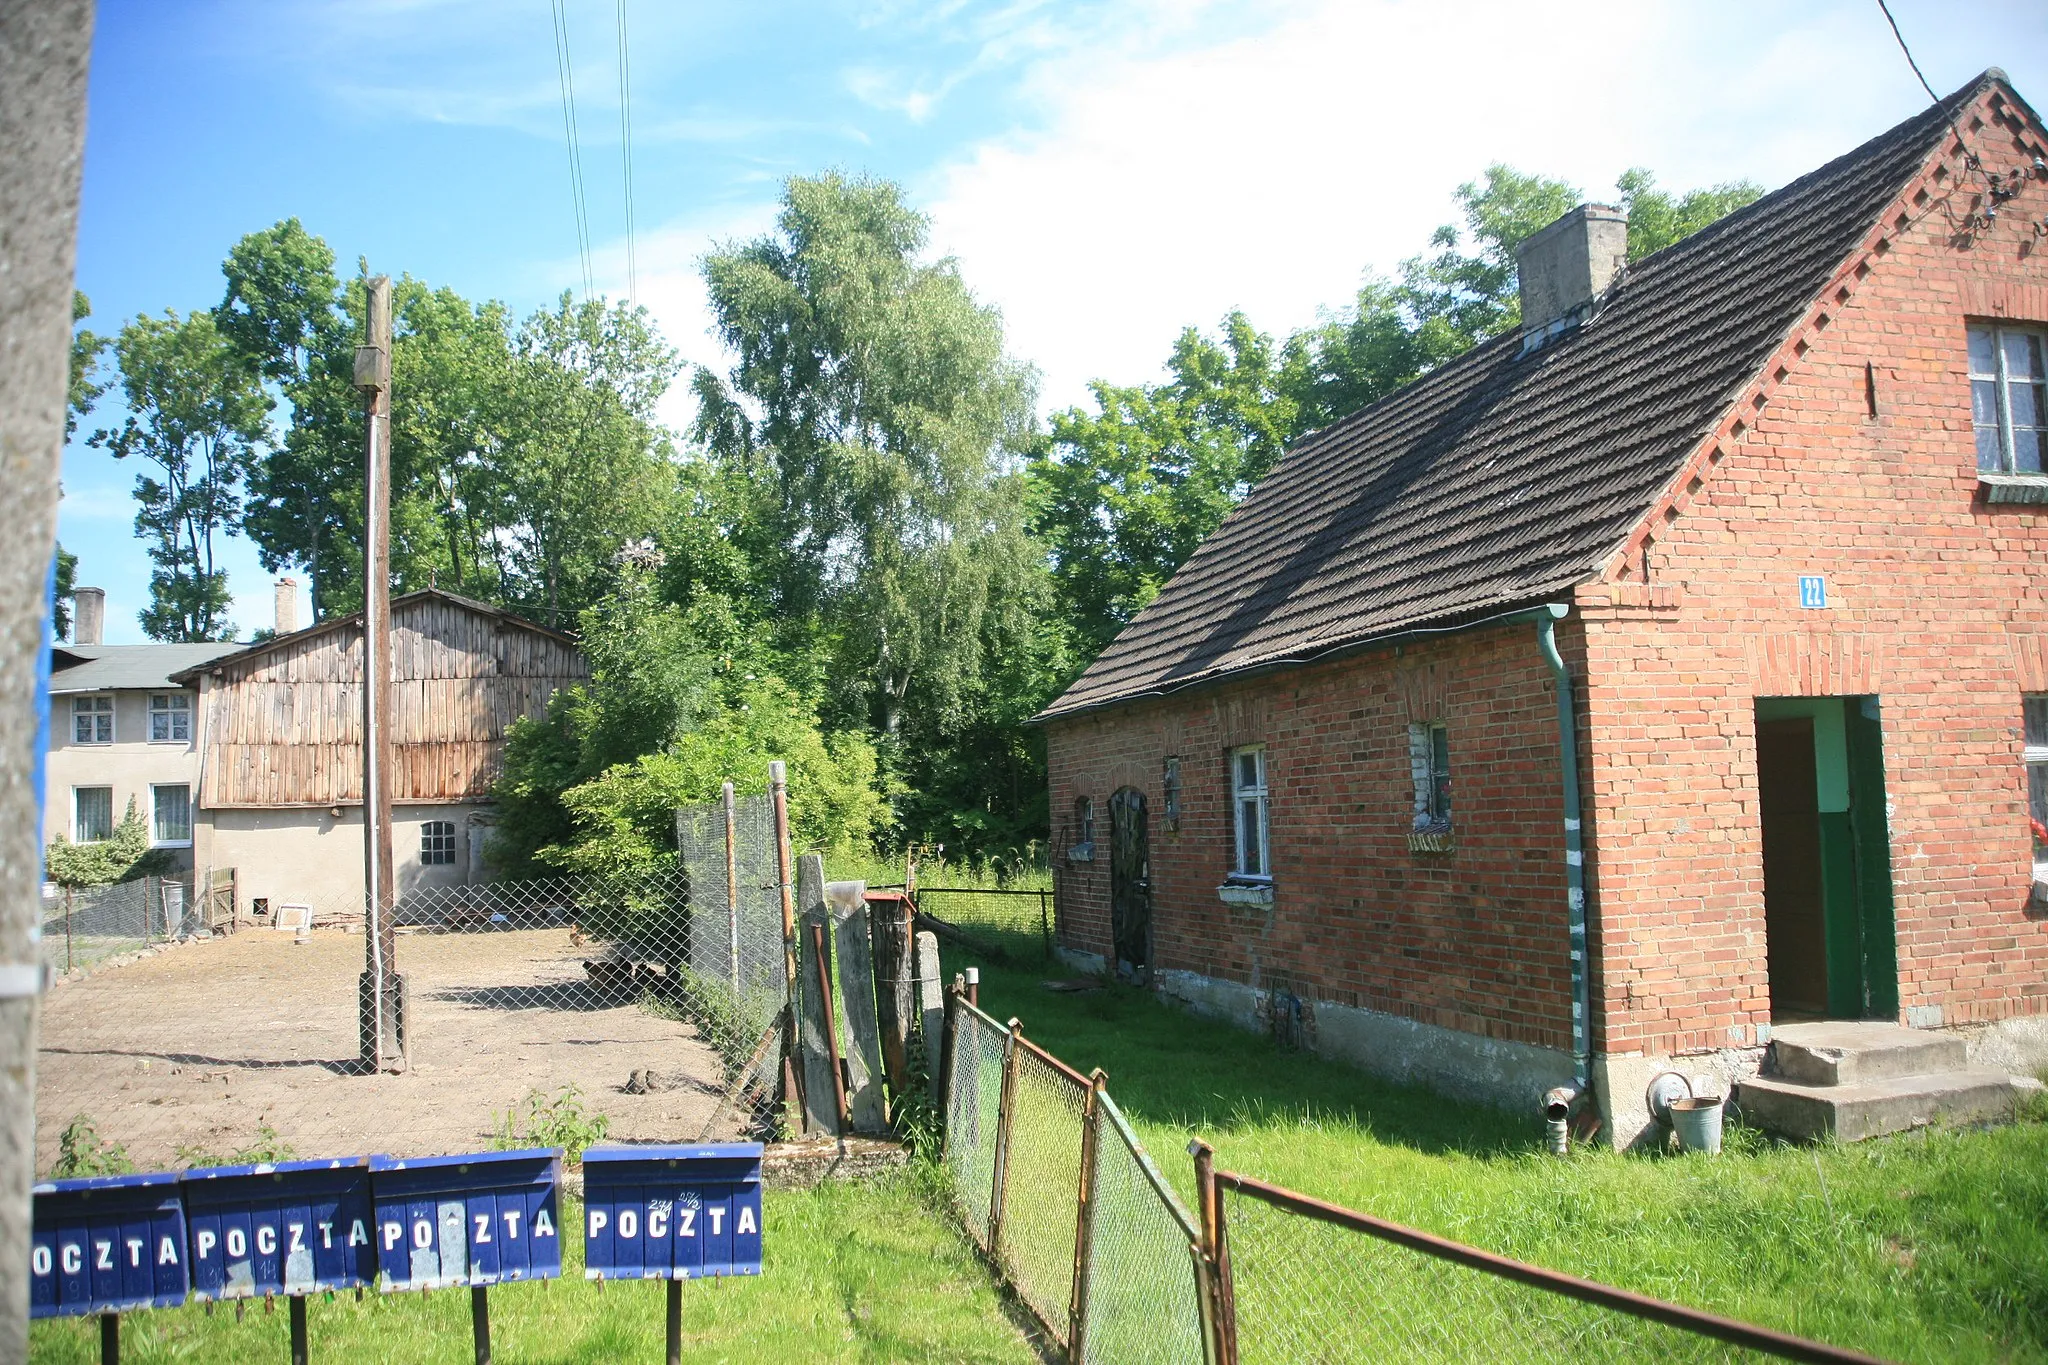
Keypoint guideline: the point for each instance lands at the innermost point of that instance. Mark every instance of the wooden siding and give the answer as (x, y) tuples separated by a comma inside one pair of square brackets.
[(284, 727)]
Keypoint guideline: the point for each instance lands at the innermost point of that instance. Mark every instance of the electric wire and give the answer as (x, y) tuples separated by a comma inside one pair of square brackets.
[(577, 198), (626, 156), (1969, 157)]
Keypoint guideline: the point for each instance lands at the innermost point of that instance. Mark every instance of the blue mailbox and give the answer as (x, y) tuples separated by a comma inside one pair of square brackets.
[(474, 1220), (672, 1213), (106, 1244), (292, 1227)]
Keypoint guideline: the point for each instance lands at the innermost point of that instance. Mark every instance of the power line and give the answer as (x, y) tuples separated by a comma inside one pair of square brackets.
[(626, 156), (1881, 4), (578, 201)]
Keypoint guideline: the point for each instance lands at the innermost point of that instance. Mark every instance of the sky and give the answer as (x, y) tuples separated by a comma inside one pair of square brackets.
[(1105, 174)]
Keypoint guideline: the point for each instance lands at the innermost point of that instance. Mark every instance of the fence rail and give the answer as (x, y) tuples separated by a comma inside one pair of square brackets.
[(1013, 925), (1053, 1184)]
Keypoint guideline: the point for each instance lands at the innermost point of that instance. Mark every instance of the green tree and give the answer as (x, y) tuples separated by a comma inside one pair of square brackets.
[(1656, 219), (197, 416), (67, 582), (122, 857), (873, 406), (85, 387), (586, 465)]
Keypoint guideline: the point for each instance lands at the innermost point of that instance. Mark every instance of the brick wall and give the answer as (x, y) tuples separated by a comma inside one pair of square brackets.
[(1935, 605), (1473, 939)]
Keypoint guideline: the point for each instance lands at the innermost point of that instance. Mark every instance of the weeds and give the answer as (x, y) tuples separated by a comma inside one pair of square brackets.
[(538, 1121), (267, 1150), (81, 1151)]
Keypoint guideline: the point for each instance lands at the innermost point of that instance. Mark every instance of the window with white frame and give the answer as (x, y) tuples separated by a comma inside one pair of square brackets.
[(92, 814), (1429, 762), (1249, 811), (2009, 399), (437, 842), (92, 720), (170, 718), (2036, 712), (170, 805)]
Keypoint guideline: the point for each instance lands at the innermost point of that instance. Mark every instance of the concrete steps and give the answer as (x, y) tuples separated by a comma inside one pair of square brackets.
[(1851, 1081)]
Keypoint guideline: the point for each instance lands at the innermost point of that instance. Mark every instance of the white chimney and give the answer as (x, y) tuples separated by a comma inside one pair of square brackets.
[(287, 605), (88, 615), (1565, 268)]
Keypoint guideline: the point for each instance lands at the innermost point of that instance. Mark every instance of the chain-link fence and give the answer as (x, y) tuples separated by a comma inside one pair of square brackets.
[(548, 1012), (85, 926), (1143, 1299), (1011, 925), (1304, 1281), (1054, 1186)]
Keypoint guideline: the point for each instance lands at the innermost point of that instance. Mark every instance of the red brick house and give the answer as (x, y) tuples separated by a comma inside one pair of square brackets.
[(1770, 506)]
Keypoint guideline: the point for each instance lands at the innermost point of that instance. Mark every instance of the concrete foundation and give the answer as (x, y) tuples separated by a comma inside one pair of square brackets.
[(1464, 1066)]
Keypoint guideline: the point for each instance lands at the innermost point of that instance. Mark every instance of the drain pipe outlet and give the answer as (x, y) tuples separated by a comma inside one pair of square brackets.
[(1574, 851), (1557, 1113)]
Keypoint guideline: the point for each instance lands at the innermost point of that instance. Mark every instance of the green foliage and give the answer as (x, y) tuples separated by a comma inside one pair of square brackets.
[(123, 857), (198, 416), (624, 819), (1656, 219), (67, 580), (84, 387), (268, 1148), (81, 1151), (541, 1121)]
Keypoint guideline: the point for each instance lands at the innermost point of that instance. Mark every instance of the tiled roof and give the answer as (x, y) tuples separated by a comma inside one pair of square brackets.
[(102, 668), (1499, 479)]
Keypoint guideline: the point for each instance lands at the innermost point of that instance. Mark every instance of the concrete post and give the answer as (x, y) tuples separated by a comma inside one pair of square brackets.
[(44, 46)]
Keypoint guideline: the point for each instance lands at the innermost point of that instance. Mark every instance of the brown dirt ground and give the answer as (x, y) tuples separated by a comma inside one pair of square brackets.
[(198, 1045)]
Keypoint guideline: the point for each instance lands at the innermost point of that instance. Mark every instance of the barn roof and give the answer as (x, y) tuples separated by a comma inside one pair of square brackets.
[(354, 621), (1501, 479)]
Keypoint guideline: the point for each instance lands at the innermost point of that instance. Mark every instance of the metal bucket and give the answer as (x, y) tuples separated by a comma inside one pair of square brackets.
[(1698, 1123)]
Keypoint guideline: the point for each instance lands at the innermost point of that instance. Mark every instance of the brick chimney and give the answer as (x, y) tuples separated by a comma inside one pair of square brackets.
[(287, 605), (88, 615), (1565, 268)]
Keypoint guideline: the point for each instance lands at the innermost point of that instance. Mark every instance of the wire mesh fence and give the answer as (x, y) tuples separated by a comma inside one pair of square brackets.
[(553, 1011), (974, 1090), (1143, 1303), (1310, 1282), (1041, 1179), (1012, 925), (83, 927)]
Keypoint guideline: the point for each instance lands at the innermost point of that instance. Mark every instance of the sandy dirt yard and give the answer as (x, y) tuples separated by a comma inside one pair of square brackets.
[(196, 1047)]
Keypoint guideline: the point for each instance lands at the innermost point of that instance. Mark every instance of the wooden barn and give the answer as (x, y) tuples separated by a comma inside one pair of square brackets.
[(280, 786)]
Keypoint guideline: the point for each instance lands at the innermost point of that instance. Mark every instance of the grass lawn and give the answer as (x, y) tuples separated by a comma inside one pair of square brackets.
[(853, 1272), (1924, 1246)]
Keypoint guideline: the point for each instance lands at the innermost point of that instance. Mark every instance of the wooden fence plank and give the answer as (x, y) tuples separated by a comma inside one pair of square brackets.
[(931, 1004), (850, 944), (820, 1089)]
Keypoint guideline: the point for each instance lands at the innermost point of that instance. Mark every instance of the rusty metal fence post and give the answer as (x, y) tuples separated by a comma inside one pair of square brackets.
[(1084, 1219), (1216, 1252), (1006, 1111)]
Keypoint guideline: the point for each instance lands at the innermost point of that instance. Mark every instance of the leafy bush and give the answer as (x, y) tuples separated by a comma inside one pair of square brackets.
[(121, 858), (624, 820), (81, 1151), (538, 1121), (267, 1149)]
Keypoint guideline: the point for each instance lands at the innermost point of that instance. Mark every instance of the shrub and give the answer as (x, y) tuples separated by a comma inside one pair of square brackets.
[(121, 858)]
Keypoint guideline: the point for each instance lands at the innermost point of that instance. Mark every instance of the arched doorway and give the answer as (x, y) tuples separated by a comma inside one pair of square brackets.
[(1130, 884)]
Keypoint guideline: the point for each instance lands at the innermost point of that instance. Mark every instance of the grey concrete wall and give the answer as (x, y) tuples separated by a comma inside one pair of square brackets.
[(311, 856), (1464, 1066), (44, 45)]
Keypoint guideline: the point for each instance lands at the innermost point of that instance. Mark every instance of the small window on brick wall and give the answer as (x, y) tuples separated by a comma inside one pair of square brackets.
[(2036, 709), (1429, 763), (2009, 400), (1083, 848), (1169, 792), (1250, 820)]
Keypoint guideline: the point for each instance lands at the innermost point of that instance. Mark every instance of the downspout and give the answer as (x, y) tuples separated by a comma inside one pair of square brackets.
[(1556, 1105)]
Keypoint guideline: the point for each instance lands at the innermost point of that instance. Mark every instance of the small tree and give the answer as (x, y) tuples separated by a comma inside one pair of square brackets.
[(122, 857)]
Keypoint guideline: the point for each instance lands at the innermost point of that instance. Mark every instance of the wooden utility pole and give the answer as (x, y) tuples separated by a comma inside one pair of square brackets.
[(382, 991)]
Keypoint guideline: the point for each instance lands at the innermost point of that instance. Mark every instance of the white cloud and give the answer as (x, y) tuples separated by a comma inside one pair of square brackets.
[(1163, 186)]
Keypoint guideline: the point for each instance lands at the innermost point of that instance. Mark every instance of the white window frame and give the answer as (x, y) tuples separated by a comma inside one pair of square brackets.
[(77, 834), (87, 708), (1255, 835), (432, 831), (176, 706), (154, 825), (2035, 756), (2002, 382)]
